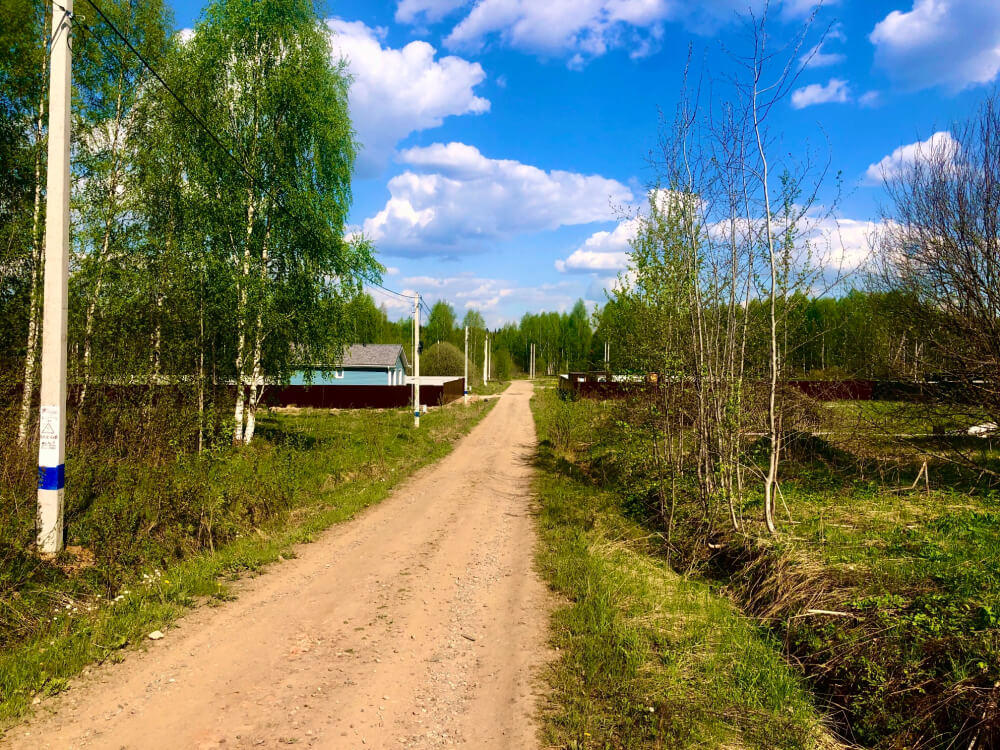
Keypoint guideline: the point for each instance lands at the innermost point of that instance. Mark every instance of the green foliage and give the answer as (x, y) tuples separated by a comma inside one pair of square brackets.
[(440, 325), (442, 359), (911, 660), (919, 574), (193, 263), (503, 365)]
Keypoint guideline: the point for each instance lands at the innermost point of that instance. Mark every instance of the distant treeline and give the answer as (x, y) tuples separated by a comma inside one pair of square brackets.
[(858, 335)]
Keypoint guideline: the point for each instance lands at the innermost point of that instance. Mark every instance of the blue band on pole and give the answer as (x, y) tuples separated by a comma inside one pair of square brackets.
[(416, 413), (52, 477)]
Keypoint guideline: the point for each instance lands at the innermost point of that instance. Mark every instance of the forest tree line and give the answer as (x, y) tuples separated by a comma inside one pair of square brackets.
[(858, 334)]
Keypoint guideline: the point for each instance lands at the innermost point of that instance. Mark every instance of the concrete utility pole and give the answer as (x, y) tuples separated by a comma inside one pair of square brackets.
[(52, 416), (416, 360), (489, 356), (465, 381), (607, 355), (486, 358)]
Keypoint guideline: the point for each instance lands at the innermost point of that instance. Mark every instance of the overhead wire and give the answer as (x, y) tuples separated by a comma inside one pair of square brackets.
[(194, 116)]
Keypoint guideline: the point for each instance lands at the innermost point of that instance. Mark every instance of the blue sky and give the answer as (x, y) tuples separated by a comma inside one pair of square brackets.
[(503, 139)]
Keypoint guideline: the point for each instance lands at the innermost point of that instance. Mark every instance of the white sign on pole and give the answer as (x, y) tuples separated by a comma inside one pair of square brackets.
[(48, 436)]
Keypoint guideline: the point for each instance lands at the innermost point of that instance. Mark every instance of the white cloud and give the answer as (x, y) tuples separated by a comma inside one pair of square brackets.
[(836, 91), (817, 57), (950, 43), (580, 30), (425, 11), (602, 251), (893, 165), (400, 91), (840, 245), (607, 251), (461, 199), (870, 99), (185, 35)]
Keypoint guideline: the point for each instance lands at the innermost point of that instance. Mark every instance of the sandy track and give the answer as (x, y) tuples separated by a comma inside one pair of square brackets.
[(418, 625)]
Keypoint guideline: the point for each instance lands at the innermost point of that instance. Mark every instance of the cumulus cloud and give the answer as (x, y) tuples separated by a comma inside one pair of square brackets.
[(400, 91), (839, 244), (836, 91), (949, 43), (606, 252), (893, 165), (425, 11), (579, 30), (460, 199), (602, 251)]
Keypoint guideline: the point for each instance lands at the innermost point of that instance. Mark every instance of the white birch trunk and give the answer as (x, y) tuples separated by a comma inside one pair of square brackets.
[(241, 338), (34, 310), (771, 481), (256, 384)]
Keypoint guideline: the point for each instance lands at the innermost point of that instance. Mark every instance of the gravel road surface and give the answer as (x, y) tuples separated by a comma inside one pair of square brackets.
[(420, 624)]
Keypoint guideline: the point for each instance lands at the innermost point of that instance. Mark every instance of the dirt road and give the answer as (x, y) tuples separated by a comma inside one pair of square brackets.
[(420, 624)]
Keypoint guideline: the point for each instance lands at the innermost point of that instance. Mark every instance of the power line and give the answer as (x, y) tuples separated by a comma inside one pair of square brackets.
[(201, 123), (199, 120), (387, 289)]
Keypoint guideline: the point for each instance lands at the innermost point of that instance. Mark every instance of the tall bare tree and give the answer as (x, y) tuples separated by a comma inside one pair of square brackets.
[(939, 249)]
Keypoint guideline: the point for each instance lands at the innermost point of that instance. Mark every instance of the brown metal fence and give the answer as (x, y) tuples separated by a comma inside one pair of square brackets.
[(599, 386), (361, 396), (317, 396)]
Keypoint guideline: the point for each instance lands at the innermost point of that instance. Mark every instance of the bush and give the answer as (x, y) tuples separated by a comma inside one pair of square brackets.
[(442, 359), (503, 365)]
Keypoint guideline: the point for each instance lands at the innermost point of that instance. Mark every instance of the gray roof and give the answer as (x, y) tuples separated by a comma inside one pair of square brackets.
[(373, 355)]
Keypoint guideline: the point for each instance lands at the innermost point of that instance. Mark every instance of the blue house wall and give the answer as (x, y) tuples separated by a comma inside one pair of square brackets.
[(353, 376)]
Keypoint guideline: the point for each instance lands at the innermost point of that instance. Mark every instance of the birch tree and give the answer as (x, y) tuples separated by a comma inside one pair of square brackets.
[(23, 81), (108, 229), (266, 82)]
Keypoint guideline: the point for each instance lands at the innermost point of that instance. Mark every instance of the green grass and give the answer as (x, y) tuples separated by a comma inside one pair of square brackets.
[(324, 467), (902, 416), (647, 658), (910, 656), (918, 574), (490, 389)]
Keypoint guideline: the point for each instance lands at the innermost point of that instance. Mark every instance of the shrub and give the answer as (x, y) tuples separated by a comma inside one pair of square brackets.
[(442, 359)]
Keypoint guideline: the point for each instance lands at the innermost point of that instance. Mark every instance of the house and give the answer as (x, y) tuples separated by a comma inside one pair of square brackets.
[(362, 364)]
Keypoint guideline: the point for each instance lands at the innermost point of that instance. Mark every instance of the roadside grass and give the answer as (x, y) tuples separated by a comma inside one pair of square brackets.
[(307, 471), (887, 598), (914, 660), (900, 431), (491, 388), (647, 658)]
